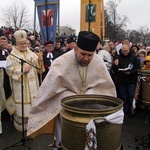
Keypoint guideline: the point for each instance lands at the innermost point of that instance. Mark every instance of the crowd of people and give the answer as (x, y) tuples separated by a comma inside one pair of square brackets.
[(67, 66), (124, 62)]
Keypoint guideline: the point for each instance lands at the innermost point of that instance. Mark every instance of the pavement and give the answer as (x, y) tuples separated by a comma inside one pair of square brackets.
[(133, 131)]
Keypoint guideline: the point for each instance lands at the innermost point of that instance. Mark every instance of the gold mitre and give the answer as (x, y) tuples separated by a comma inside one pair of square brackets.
[(20, 35)]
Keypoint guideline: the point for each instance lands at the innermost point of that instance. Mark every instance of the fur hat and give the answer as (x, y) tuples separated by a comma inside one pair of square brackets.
[(143, 51), (87, 41), (20, 35), (148, 48)]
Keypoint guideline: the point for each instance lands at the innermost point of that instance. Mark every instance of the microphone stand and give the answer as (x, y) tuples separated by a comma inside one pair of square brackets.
[(23, 141)]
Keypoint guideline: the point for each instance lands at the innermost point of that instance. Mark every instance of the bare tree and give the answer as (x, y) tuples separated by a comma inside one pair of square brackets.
[(144, 30), (115, 18), (115, 22), (16, 14)]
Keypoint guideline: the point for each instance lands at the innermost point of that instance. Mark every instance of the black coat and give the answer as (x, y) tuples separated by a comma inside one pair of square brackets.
[(7, 87), (124, 61), (48, 61)]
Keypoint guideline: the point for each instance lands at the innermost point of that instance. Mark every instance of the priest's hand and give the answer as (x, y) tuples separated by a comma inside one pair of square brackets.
[(116, 62), (26, 68), (40, 56)]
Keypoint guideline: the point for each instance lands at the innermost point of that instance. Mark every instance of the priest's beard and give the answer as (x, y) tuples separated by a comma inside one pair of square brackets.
[(82, 62), (23, 49)]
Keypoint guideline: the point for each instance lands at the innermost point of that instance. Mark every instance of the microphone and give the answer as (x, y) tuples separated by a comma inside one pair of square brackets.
[(22, 60)]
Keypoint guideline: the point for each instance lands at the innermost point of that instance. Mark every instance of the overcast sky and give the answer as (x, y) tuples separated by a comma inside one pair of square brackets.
[(136, 10)]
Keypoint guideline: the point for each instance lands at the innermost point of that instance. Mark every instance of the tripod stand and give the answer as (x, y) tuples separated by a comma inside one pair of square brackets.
[(23, 141)]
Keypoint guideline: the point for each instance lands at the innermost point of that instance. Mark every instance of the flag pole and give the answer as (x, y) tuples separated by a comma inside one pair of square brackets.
[(46, 20), (34, 16), (58, 16), (89, 18)]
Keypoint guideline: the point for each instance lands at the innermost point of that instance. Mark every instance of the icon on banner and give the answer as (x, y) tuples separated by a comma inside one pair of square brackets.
[(49, 18)]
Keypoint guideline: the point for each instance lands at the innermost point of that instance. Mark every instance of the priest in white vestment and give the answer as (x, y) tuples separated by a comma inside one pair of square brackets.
[(30, 77), (79, 71)]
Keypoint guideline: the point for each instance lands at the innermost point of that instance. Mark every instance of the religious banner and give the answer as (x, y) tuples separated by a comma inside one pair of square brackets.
[(92, 17), (47, 14), (90, 13)]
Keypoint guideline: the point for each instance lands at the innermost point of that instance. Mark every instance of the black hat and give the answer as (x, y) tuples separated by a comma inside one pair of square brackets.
[(87, 41), (71, 39)]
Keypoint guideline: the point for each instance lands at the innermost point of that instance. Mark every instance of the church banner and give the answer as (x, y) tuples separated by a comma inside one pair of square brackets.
[(92, 17), (47, 14)]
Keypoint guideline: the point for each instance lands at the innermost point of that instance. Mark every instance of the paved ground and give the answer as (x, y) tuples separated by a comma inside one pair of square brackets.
[(132, 128)]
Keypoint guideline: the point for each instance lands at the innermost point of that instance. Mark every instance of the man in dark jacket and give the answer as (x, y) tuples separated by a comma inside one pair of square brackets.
[(126, 66), (3, 55), (57, 48), (72, 43), (5, 90), (49, 55)]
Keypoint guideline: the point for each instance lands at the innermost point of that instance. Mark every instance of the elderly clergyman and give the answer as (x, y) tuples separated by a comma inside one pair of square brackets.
[(30, 77)]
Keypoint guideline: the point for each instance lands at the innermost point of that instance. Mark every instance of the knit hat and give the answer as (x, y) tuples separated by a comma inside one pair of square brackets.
[(87, 41), (148, 48), (147, 59), (20, 35)]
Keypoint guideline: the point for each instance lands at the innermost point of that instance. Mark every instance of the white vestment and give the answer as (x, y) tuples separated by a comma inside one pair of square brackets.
[(64, 80), (2, 95), (30, 83), (106, 57)]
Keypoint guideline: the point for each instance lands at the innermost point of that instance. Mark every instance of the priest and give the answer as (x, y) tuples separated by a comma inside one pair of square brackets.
[(79, 71)]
